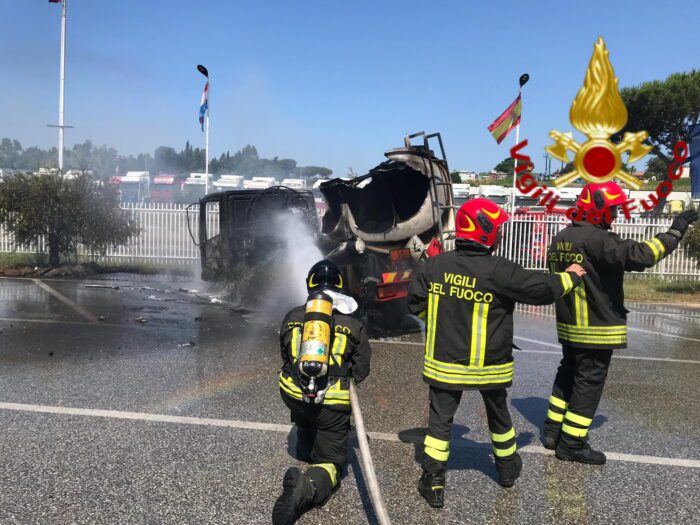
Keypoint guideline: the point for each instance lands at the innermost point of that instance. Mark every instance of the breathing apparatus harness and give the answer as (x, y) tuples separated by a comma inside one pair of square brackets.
[(316, 370)]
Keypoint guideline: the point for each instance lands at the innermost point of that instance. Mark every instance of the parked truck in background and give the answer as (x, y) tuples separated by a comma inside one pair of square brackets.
[(167, 188), (135, 187), (195, 187)]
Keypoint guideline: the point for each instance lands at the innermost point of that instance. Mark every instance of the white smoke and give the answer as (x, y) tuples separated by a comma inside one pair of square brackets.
[(299, 252)]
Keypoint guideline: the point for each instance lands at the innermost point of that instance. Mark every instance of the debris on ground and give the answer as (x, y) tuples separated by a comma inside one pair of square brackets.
[(141, 319), (101, 318), (190, 345), (107, 286)]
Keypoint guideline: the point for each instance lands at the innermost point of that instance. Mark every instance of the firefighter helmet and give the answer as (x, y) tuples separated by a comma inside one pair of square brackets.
[(325, 275), (479, 220), (598, 197)]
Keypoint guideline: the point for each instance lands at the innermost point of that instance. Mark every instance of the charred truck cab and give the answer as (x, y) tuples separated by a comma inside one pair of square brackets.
[(235, 227), (383, 223)]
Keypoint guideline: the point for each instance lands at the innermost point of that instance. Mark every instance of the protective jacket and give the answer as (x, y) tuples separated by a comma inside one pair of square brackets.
[(349, 357), (468, 297), (594, 315)]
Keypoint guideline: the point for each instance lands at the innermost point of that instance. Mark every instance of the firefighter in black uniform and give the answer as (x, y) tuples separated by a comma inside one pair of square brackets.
[(591, 322), (468, 296), (319, 404)]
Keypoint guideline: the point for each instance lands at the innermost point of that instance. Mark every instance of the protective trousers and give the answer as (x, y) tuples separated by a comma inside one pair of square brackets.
[(322, 441), (576, 394), (443, 406)]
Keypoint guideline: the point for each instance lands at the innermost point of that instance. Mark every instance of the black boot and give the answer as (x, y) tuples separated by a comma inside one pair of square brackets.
[(297, 496), (550, 439), (432, 488), (509, 470), (579, 451)]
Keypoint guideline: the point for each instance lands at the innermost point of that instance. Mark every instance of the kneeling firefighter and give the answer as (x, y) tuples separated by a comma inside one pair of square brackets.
[(323, 349), (468, 296), (593, 321)]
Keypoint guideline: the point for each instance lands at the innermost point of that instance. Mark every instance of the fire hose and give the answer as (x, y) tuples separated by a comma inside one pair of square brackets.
[(368, 466)]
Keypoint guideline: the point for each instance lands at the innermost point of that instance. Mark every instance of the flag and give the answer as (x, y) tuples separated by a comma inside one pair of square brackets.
[(204, 106), (510, 118)]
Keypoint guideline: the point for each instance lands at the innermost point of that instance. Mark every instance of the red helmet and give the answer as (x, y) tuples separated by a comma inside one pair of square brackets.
[(597, 197), (478, 220)]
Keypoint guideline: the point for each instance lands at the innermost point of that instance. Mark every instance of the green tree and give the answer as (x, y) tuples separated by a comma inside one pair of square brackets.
[(316, 171), (65, 213), (454, 176), (656, 169), (507, 166), (666, 109)]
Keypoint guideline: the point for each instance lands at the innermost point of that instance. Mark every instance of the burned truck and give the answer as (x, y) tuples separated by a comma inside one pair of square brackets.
[(237, 228), (383, 223), (377, 226)]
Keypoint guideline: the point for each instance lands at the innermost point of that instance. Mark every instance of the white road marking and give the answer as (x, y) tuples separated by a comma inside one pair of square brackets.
[(642, 330), (543, 343), (275, 427), (58, 321), (58, 295)]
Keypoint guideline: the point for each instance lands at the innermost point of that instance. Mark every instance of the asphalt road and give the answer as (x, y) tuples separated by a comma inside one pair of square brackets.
[(147, 404)]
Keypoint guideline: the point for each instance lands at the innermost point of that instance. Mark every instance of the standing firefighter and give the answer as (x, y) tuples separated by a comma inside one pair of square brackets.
[(468, 296), (591, 322), (323, 348)]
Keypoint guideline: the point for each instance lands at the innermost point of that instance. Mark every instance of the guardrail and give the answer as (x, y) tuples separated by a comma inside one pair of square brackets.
[(164, 239)]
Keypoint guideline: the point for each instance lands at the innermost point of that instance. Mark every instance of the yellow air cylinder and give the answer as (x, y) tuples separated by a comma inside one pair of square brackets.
[(316, 336)]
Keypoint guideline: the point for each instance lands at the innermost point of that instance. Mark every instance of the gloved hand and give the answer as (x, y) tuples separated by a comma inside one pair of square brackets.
[(577, 269), (681, 223)]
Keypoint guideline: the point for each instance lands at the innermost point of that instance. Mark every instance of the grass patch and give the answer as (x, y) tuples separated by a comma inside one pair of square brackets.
[(653, 289), (10, 260)]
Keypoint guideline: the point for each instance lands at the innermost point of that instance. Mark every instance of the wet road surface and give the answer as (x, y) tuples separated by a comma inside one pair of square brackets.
[(150, 404)]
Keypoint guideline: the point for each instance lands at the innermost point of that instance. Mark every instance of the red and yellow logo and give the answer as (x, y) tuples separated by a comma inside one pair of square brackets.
[(599, 112)]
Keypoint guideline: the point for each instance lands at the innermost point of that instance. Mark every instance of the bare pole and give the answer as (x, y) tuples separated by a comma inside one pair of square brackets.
[(61, 91), (206, 149), (512, 199)]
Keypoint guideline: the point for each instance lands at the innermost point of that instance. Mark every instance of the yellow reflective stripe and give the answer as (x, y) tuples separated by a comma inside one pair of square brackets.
[(581, 305), (289, 387), (340, 342), (566, 282), (580, 420), (484, 321), (660, 245), (618, 329), (501, 438), (475, 335), (594, 340), (456, 368), (296, 333), (573, 431), (654, 250), (555, 416), (437, 444), (467, 381), (437, 454), (433, 300), (330, 468), (478, 339), (503, 452), (423, 314), (559, 403)]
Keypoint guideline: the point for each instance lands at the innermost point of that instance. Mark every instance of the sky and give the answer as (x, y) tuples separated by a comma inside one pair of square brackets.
[(325, 82)]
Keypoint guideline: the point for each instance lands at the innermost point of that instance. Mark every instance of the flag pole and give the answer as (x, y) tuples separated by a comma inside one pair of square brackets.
[(61, 92), (522, 81), (206, 140)]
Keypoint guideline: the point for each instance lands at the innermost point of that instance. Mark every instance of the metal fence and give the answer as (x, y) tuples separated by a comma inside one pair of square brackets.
[(164, 239), (527, 239)]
